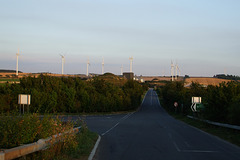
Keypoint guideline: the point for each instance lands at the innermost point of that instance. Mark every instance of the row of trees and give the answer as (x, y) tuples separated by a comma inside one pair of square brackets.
[(71, 95), (222, 103), (231, 77)]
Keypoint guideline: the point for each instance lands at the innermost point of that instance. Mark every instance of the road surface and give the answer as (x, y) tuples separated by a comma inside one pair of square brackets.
[(151, 134)]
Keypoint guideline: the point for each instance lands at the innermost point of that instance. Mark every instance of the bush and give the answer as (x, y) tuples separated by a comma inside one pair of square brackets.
[(234, 111), (222, 103), (72, 95), (17, 130)]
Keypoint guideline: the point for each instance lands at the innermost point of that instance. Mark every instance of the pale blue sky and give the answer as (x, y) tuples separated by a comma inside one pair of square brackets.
[(202, 36)]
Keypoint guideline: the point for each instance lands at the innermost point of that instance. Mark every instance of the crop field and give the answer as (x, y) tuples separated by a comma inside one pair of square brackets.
[(205, 81)]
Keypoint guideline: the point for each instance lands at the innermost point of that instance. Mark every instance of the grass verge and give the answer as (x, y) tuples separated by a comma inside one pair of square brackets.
[(86, 141), (80, 148), (230, 135)]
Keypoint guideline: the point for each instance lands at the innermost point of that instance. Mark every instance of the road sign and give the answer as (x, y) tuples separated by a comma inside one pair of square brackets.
[(196, 99), (175, 104), (196, 107), (24, 99)]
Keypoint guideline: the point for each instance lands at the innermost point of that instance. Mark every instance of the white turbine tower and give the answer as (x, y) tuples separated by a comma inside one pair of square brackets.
[(102, 65), (176, 71), (88, 63), (122, 70), (63, 61), (17, 63), (172, 70), (131, 63)]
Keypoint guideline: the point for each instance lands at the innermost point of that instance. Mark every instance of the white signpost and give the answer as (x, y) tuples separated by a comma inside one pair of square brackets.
[(24, 99)]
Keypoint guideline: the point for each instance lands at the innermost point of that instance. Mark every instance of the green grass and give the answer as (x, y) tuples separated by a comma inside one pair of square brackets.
[(9, 79), (84, 142), (230, 135)]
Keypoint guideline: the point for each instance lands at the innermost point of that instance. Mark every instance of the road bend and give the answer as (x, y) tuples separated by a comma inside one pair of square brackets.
[(151, 134)]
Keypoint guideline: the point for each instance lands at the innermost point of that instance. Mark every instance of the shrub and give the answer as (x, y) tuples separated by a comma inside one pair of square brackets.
[(17, 130)]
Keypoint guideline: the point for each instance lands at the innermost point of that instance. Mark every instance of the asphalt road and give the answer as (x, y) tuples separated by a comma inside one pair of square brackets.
[(151, 134)]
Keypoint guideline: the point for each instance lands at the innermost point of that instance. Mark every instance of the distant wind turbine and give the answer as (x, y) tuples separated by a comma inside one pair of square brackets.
[(172, 70), (88, 63), (131, 63), (63, 61), (17, 63), (176, 70), (179, 72), (102, 65), (122, 70)]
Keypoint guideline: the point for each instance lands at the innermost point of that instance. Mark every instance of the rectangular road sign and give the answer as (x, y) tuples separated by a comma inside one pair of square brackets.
[(196, 99), (24, 99)]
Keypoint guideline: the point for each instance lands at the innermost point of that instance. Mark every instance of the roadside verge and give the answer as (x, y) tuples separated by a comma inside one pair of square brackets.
[(92, 154)]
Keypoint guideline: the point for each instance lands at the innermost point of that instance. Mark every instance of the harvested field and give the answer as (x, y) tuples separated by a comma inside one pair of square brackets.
[(21, 75), (205, 81)]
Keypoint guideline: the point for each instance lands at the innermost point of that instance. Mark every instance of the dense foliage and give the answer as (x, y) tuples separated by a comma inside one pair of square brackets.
[(231, 77), (71, 95), (222, 103), (18, 130)]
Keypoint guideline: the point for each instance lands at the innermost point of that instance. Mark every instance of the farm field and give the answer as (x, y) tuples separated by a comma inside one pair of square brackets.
[(205, 81)]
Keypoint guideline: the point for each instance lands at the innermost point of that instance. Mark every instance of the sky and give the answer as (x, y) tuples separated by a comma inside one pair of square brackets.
[(202, 37)]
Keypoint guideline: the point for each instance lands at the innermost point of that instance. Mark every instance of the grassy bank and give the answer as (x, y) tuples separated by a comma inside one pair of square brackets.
[(80, 148), (230, 135), (17, 130)]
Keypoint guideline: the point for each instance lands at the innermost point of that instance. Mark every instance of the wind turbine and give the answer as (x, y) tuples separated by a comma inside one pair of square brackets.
[(131, 62), (172, 70), (17, 63), (63, 61), (179, 72), (88, 63), (102, 65), (176, 70), (122, 70)]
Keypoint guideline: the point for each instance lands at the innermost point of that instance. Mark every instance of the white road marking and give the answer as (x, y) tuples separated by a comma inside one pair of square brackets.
[(198, 151), (144, 98), (94, 149), (192, 151), (110, 129), (176, 147), (122, 119)]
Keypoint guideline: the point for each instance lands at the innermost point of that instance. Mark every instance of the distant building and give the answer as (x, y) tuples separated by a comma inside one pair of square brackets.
[(138, 78), (128, 75)]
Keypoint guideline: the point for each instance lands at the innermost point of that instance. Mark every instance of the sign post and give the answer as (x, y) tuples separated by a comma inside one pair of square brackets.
[(24, 99), (176, 106)]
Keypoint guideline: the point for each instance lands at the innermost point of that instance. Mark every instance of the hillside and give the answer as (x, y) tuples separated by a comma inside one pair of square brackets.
[(114, 79)]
